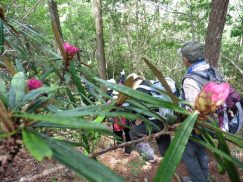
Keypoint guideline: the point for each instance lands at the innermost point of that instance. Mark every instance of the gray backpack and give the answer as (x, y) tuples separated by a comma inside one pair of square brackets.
[(231, 112)]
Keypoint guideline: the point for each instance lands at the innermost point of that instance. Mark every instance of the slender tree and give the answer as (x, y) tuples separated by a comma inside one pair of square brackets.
[(215, 29), (100, 39), (55, 16)]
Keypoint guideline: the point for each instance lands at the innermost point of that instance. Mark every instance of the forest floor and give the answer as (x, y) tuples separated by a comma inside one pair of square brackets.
[(133, 168)]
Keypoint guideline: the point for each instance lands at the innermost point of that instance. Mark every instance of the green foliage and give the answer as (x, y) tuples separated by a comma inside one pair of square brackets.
[(17, 90), (175, 151), (132, 30), (35, 144), (1, 37)]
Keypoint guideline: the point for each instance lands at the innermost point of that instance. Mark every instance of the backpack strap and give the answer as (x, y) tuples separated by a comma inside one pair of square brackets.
[(202, 77)]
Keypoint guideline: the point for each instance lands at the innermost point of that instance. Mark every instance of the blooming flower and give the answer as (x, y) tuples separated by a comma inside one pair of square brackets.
[(70, 50), (34, 84), (211, 96)]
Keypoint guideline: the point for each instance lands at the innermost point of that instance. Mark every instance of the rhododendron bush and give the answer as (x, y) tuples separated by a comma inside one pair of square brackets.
[(51, 90)]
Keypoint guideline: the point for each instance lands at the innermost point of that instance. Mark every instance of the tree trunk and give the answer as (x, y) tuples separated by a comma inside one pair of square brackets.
[(55, 16), (215, 29), (100, 39)]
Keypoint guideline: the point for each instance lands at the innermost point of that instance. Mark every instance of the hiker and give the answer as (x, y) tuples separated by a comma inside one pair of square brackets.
[(119, 124), (122, 78), (140, 130), (195, 156)]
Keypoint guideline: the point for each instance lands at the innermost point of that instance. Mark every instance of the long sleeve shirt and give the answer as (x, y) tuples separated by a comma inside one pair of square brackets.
[(190, 86)]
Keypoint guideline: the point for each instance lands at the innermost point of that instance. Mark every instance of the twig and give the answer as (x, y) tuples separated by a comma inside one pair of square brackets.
[(8, 51), (44, 173), (233, 63), (146, 138), (32, 11), (177, 177)]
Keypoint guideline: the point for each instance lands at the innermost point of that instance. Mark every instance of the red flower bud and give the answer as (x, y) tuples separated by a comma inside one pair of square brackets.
[(34, 84), (70, 50)]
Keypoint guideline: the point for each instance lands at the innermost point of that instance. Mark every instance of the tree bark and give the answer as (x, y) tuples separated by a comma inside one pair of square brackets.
[(55, 16), (215, 29), (100, 39)]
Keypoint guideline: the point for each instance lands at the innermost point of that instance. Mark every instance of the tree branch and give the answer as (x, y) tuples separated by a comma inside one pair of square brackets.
[(233, 63), (32, 11), (146, 138), (44, 173)]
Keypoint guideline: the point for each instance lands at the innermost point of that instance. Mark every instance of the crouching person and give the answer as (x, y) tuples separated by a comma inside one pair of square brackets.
[(119, 124), (140, 130)]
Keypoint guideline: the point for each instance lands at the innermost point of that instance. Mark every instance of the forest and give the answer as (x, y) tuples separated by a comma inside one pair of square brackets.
[(121, 90)]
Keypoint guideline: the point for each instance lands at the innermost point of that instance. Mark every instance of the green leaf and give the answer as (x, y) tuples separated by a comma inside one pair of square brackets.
[(83, 111), (162, 80), (208, 138), (97, 92), (72, 99), (14, 41), (46, 73), (219, 152), (3, 92), (35, 94), (1, 37), (91, 169), (229, 165), (144, 97), (36, 145), (17, 89), (228, 136), (66, 122), (78, 84), (19, 66), (175, 151)]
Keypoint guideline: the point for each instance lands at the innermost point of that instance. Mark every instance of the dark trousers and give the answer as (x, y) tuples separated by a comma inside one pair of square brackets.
[(196, 160), (119, 133), (163, 141)]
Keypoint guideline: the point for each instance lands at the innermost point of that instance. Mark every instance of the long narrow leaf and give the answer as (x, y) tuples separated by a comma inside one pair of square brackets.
[(208, 139), (144, 97), (219, 152), (162, 80), (35, 144), (1, 37), (228, 136), (175, 151), (17, 89), (230, 167), (78, 84), (70, 95), (35, 94), (92, 170), (3, 92), (67, 122)]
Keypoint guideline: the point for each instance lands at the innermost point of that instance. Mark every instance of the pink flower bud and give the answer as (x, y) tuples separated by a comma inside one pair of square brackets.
[(211, 96), (34, 84), (70, 50)]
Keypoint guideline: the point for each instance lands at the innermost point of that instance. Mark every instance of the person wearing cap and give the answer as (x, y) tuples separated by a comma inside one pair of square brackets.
[(195, 156)]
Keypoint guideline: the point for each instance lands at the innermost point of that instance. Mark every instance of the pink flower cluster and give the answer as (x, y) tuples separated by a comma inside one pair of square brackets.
[(211, 97), (70, 50), (218, 93), (34, 84)]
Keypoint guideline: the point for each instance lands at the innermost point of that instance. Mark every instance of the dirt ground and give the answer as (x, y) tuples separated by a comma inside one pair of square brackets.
[(132, 168)]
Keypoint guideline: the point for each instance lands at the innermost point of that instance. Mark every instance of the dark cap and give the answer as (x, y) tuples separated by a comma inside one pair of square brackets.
[(193, 50)]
